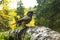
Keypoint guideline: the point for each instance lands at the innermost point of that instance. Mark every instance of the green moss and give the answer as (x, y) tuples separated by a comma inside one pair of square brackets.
[(27, 36)]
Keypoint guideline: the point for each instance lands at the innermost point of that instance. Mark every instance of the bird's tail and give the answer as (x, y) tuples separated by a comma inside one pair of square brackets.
[(14, 23)]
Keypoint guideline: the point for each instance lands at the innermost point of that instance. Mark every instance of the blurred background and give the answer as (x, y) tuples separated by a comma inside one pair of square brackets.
[(47, 13)]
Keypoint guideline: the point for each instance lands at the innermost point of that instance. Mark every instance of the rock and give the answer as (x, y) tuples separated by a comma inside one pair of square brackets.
[(43, 33)]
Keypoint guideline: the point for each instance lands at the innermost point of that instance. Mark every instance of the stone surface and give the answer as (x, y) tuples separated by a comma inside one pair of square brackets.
[(43, 33)]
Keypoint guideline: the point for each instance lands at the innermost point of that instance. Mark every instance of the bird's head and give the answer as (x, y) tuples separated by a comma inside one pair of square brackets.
[(30, 13)]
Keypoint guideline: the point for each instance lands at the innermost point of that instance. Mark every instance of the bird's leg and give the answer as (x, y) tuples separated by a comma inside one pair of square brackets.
[(23, 32)]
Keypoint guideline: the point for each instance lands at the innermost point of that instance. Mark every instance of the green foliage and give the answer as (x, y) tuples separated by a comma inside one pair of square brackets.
[(27, 36), (3, 17), (48, 11), (3, 23), (4, 36), (20, 9)]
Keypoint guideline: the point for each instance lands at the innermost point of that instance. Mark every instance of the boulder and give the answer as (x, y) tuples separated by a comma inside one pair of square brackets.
[(43, 33)]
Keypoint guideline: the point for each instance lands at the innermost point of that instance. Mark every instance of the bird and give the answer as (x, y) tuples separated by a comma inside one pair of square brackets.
[(23, 21), (26, 19)]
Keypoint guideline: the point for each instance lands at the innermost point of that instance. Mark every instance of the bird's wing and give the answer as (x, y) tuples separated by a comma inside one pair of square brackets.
[(23, 19), (26, 18)]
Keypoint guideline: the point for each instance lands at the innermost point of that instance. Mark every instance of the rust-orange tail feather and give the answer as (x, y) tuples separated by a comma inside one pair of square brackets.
[(14, 23)]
